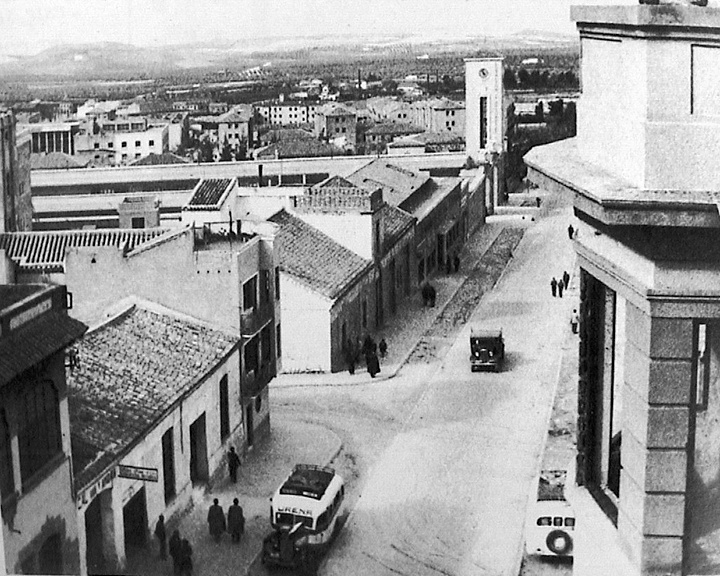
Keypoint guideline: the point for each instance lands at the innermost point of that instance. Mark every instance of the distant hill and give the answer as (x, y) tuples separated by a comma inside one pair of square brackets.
[(115, 60)]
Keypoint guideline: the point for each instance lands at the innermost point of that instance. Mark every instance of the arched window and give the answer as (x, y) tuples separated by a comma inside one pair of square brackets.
[(7, 484), (39, 435)]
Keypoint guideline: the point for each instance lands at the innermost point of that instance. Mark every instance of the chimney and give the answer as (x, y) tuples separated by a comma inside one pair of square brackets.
[(260, 175)]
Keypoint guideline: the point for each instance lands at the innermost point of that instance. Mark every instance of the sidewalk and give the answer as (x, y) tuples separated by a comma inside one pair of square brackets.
[(411, 322), (266, 466)]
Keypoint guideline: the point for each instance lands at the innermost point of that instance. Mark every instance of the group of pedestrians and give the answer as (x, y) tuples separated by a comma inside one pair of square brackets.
[(557, 286), (179, 548), (217, 524), (369, 349)]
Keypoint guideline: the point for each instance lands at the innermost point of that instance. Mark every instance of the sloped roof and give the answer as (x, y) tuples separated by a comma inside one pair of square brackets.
[(393, 128), (208, 194), (397, 183), (335, 109), (395, 223), (53, 160), (153, 159), (132, 370), (45, 251), (340, 182), (235, 115), (314, 258), (299, 148)]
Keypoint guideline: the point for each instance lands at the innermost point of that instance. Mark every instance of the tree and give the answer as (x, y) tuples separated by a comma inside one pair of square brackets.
[(509, 80), (540, 111), (205, 151), (523, 77), (226, 153)]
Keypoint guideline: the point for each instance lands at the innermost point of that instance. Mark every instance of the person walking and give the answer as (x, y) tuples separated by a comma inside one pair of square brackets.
[(161, 537), (560, 288), (574, 321), (373, 363), (233, 464), (433, 295), (571, 231), (553, 286), (174, 545), (456, 263), (216, 520), (186, 564), (382, 347), (236, 521), (349, 356), (566, 279)]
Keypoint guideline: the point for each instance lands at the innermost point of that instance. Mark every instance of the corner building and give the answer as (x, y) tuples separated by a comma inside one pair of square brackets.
[(642, 175)]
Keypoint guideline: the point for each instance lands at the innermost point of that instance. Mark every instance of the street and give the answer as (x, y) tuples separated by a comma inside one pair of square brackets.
[(440, 461)]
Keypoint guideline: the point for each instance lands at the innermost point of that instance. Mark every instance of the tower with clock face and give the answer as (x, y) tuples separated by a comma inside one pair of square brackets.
[(484, 118)]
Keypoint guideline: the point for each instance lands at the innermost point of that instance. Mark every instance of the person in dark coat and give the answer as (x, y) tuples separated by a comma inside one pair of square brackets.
[(553, 286), (566, 279), (456, 263), (349, 355), (216, 520), (174, 545), (560, 287), (186, 564), (373, 363), (236, 521), (571, 231), (433, 294), (382, 347), (426, 290), (448, 266), (233, 464), (161, 536)]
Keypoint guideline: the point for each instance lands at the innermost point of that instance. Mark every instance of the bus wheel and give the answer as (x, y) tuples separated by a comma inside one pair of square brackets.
[(559, 542)]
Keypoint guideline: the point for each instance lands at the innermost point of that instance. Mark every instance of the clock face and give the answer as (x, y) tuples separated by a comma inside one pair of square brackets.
[(483, 73)]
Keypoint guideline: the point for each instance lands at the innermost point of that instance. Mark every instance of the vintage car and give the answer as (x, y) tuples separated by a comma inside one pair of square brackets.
[(487, 350), (281, 548)]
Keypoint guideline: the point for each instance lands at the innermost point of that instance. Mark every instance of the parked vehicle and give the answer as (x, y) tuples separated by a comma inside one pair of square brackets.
[(487, 350), (551, 520), (281, 547)]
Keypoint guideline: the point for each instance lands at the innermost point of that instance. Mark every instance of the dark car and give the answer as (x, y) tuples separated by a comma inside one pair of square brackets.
[(280, 548), (487, 350)]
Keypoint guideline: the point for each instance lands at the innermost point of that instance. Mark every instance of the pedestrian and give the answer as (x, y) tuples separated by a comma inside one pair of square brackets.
[(349, 356), (560, 287), (216, 520), (174, 545), (571, 231), (553, 286), (433, 294), (425, 291), (566, 279), (373, 364), (236, 521), (160, 535), (456, 263), (186, 564), (448, 266), (383, 348), (537, 201), (574, 321), (233, 464)]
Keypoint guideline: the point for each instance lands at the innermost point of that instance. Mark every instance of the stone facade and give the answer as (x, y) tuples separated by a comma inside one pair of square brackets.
[(648, 438)]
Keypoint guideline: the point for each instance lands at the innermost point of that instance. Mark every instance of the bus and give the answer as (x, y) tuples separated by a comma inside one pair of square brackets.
[(312, 497)]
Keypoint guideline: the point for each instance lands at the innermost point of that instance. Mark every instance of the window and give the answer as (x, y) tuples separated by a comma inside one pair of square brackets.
[(265, 287), (278, 341), (97, 145), (111, 144), (277, 283), (137, 155), (137, 222), (224, 408), (124, 144), (544, 521), (168, 455), (39, 434), (251, 355), (151, 142), (702, 365), (483, 121), (250, 293), (266, 345), (7, 483), (124, 156), (137, 143)]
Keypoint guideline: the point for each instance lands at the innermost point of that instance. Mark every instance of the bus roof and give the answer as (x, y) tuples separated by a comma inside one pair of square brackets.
[(486, 333), (308, 480)]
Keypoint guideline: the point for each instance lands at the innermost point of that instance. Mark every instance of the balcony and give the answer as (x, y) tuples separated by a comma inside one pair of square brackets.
[(253, 320), (255, 380)]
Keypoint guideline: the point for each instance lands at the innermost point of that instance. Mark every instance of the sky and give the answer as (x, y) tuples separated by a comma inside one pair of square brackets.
[(28, 26)]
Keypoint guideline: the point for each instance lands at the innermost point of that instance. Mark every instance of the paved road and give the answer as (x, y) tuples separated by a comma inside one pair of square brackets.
[(448, 494)]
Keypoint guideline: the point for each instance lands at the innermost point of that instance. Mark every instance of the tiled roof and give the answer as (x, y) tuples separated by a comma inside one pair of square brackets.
[(13, 293), (153, 159), (208, 194), (395, 223), (335, 109), (53, 160), (132, 370), (314, 258), (36, 340), (299, 148), (238, 116), (340, 182), (393, 128), (397, 183), (45, 251)]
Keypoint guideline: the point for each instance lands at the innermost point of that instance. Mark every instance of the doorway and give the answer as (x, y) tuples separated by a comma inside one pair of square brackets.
[(94, 537), (249, 422), (198, 451), (135, 521)]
